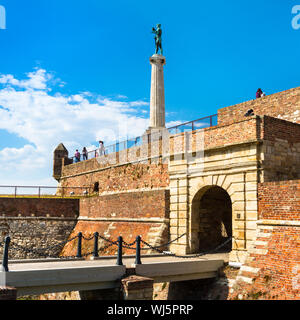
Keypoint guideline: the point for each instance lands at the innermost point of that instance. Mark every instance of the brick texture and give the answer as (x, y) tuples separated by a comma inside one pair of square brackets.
[(284, 105), (26, 207), (272, 269), (143, 204), (279, 200)]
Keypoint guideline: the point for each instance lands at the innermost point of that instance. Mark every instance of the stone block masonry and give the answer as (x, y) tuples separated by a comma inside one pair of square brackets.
[(37, 223)]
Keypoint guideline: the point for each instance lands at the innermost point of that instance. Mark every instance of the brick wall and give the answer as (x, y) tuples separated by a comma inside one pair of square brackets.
[(40, 207), (120, 178), (144, 204), (279, 200), (244, 130), (284, 105), (272, 269), (276, 129), (126, 214), (281, 150)]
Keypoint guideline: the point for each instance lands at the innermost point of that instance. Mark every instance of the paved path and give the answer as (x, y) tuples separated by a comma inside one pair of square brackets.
[(47, 264)]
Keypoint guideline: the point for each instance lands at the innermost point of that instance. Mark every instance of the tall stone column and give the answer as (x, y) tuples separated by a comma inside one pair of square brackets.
[(157, 98)]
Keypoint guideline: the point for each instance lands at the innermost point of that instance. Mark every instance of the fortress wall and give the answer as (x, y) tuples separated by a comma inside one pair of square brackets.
[(142, 163), (284, 105), (135, 176), (125, 214), (247, 129), (281, 150), (37, 223), (39, 207), (135, 205), (272, 268)]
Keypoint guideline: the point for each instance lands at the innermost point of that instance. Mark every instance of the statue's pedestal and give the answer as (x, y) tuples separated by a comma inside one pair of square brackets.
[(157, 96)]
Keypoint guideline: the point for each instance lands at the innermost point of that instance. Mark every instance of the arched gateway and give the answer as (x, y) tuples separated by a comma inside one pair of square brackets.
[(211, 219)]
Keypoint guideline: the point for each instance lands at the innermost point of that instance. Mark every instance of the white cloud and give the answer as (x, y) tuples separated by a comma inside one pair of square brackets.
[(29, 110)]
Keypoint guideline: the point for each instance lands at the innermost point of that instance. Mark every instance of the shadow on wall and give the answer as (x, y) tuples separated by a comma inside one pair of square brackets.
[(204, 289)]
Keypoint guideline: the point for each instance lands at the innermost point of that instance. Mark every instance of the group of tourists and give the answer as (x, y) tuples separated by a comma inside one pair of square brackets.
[(99, 152)]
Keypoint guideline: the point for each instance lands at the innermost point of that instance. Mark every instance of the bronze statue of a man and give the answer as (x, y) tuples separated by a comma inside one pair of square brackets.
[(158, 41)]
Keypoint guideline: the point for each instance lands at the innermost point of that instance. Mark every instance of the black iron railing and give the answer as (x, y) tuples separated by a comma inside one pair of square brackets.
[(9, 245), (201, 123)]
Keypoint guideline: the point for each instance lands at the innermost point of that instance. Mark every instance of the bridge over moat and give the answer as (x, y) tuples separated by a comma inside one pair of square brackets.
[(41, 276)]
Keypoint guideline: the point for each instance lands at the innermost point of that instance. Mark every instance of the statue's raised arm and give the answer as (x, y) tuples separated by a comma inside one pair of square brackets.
[(158, 39)]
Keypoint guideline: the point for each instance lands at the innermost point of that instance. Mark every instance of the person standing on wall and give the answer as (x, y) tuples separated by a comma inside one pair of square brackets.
[(77, 156), (84, 153), (101, 148), (259, 93)]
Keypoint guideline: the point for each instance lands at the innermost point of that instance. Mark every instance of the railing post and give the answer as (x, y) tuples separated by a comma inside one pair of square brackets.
[(138, 250), (15, 192), (39, 192), (96, 236), (120, 247), (79, 245), (210, 121), (4, 267)]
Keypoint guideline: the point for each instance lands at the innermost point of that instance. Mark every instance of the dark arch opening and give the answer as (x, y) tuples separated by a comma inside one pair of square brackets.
[(212, 209)]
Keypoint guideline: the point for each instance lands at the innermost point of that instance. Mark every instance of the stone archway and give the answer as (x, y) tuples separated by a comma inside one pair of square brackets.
[(211, 219)]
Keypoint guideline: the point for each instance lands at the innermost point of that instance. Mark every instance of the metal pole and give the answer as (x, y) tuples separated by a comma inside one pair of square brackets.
[(138, 250), (79, 245), (96, 236), (15, 192), (39, 192), (119, 257), (4, 267)]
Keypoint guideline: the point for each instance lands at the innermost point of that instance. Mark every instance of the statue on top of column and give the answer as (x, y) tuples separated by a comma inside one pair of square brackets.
[(158, 42)]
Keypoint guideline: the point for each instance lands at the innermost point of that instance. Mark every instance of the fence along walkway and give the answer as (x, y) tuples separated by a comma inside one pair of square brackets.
[(201, 123), (44, 192)]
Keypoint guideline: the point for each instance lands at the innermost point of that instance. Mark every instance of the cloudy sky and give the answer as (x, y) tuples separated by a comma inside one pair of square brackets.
[(75, 72)]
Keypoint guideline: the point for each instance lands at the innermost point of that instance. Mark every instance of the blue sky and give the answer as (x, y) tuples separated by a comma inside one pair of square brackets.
[(94, 56)]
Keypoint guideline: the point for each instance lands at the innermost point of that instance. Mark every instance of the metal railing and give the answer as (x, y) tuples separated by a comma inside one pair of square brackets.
[(43, 191), (201, 123), (120, 243)]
